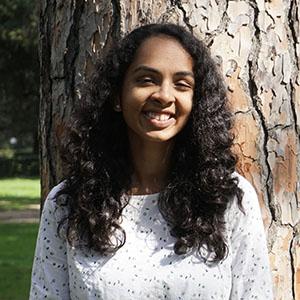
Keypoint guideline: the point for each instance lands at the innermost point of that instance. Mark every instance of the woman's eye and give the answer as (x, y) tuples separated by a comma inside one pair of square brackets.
[(145, 80), (183, 85)]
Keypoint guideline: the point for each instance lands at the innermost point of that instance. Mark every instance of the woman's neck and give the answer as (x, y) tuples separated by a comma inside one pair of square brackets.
[(151, 162)]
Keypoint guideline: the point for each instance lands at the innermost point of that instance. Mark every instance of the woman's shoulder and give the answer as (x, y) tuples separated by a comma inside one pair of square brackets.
[(249, 207), (55, 191), (55, 203), (243, 183)]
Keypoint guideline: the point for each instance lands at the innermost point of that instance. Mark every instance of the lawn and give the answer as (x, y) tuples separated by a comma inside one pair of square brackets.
[(19, 193), (17, 243)]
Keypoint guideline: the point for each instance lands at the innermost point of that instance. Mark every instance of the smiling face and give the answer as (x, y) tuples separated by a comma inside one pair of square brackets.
[(157, 93)]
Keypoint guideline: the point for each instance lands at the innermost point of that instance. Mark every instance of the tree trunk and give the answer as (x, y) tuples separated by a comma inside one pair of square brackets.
[(257, 45)]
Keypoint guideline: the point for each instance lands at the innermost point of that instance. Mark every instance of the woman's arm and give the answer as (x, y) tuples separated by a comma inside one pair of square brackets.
[(251, 276), (50, 268)]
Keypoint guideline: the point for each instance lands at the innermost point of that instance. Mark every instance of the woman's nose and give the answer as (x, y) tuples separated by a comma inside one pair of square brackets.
[(164, 94)]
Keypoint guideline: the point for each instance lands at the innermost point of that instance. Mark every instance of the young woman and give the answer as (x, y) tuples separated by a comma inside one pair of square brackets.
[(152, 207)]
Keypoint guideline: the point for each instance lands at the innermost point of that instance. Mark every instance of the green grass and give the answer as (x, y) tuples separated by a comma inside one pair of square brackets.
[(17, 244), (18, 193)]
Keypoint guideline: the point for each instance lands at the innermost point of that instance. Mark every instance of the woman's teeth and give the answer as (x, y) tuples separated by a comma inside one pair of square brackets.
[(158, 116)]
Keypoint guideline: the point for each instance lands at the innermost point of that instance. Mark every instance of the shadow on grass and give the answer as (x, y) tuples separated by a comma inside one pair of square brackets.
[(20, 177), (11, 202), (23, 199)]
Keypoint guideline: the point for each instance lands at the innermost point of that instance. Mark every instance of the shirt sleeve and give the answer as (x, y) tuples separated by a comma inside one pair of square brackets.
[(50, 269), (251, 276)]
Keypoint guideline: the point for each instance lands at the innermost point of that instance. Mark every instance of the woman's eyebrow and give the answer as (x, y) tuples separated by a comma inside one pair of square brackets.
[(153, 70), (185, 73), (145, 68)]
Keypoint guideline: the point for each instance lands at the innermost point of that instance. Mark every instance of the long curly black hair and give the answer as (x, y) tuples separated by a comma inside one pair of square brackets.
[(200, 181)]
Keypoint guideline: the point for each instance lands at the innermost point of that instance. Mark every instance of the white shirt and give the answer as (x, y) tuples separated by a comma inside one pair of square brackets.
[(146, 266)]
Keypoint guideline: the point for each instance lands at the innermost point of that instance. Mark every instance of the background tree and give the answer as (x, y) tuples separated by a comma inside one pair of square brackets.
[(19, 76), (256, 43)]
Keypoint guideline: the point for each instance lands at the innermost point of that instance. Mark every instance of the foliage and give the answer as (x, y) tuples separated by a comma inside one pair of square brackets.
[(7, 153), (17, 193), (17, 243), (21, 162), (19, 165), (19, 82)]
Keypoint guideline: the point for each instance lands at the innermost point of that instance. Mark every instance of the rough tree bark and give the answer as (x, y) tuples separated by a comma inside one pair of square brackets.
[(257, 45)]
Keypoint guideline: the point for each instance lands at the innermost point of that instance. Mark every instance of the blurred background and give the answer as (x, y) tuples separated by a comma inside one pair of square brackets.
[(256, 43), (19, 165)]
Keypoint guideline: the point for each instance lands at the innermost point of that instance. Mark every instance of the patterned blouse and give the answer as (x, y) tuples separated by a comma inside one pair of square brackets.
[(146, 267)]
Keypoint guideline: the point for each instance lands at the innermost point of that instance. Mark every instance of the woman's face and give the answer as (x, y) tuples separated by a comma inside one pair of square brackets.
[(157, 94)]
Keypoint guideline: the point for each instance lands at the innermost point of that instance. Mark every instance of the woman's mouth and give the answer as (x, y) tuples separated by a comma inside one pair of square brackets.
[(157, 116), (159, 119)]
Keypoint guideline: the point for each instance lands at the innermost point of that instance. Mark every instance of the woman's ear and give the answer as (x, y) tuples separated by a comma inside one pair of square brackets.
[(117, 105), (117, 108)]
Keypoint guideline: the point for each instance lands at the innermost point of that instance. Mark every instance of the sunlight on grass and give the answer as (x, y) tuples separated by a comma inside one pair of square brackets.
[(17, 244), (18, 193)]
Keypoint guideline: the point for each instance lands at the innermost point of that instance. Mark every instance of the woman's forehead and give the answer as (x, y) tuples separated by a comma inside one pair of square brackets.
[(162, 50)]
